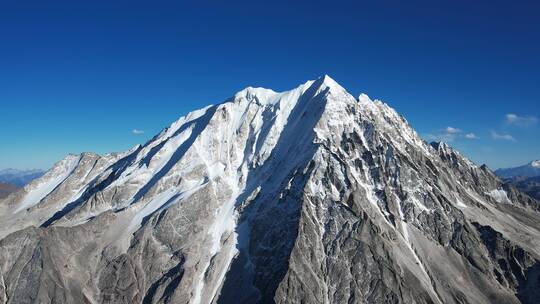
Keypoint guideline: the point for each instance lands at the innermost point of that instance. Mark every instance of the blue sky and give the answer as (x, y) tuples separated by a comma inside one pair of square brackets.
[(82, 76)]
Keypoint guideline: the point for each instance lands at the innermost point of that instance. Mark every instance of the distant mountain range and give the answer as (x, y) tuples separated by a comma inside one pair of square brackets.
[(526, 178), (18, 177), (529, 170)]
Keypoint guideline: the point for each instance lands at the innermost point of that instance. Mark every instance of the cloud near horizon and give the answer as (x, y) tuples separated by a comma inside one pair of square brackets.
[(520, 121), (137, 132), (505, 136), (449, 134)]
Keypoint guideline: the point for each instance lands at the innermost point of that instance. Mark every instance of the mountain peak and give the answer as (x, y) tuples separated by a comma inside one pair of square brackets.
[(330, 82), (262, 95), (326, 82), (536, 163), (439, 145), (265, 96)]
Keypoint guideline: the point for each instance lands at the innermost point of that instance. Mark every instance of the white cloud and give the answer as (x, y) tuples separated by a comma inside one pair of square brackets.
[(444, 137), (137, 132), (451, 130), (520, 121), (471, 136), (496, 135), (448, 134)]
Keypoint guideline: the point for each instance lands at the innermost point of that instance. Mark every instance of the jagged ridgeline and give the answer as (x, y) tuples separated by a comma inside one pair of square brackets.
[(304, 196)]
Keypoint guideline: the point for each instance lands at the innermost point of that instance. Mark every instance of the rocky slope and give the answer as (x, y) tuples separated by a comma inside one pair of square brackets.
[(7, 189), (529, 185), (305, 196)]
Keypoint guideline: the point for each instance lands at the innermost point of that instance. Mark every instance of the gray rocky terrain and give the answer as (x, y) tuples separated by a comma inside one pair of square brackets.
[(7, 189), (529, 185), (306, 196)]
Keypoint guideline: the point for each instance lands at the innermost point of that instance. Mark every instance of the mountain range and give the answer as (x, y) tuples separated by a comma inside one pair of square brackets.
[(18, 177), (306, 196), (529, 170), (526, 178)]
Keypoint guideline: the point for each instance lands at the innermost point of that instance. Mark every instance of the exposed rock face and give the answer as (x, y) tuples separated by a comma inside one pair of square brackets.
[(306, 196), (7, 189), (529, 185)]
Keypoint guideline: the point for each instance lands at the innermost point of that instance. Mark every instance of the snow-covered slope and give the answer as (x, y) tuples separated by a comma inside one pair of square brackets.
[(310, 195)]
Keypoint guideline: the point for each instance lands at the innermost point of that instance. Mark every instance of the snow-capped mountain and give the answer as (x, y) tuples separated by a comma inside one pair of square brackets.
[(304, 196), (19, 177), (529, 170)]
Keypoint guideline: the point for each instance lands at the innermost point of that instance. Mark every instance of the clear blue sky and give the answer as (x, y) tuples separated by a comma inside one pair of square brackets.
[(82, 75)]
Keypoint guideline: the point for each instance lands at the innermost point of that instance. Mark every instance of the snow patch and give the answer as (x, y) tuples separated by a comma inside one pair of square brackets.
[(460, 204), (224, 222), (499, 195), (45, 185), (409, 245)]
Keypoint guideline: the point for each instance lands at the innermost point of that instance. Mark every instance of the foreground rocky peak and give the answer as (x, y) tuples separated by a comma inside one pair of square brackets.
[(310, 195)]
